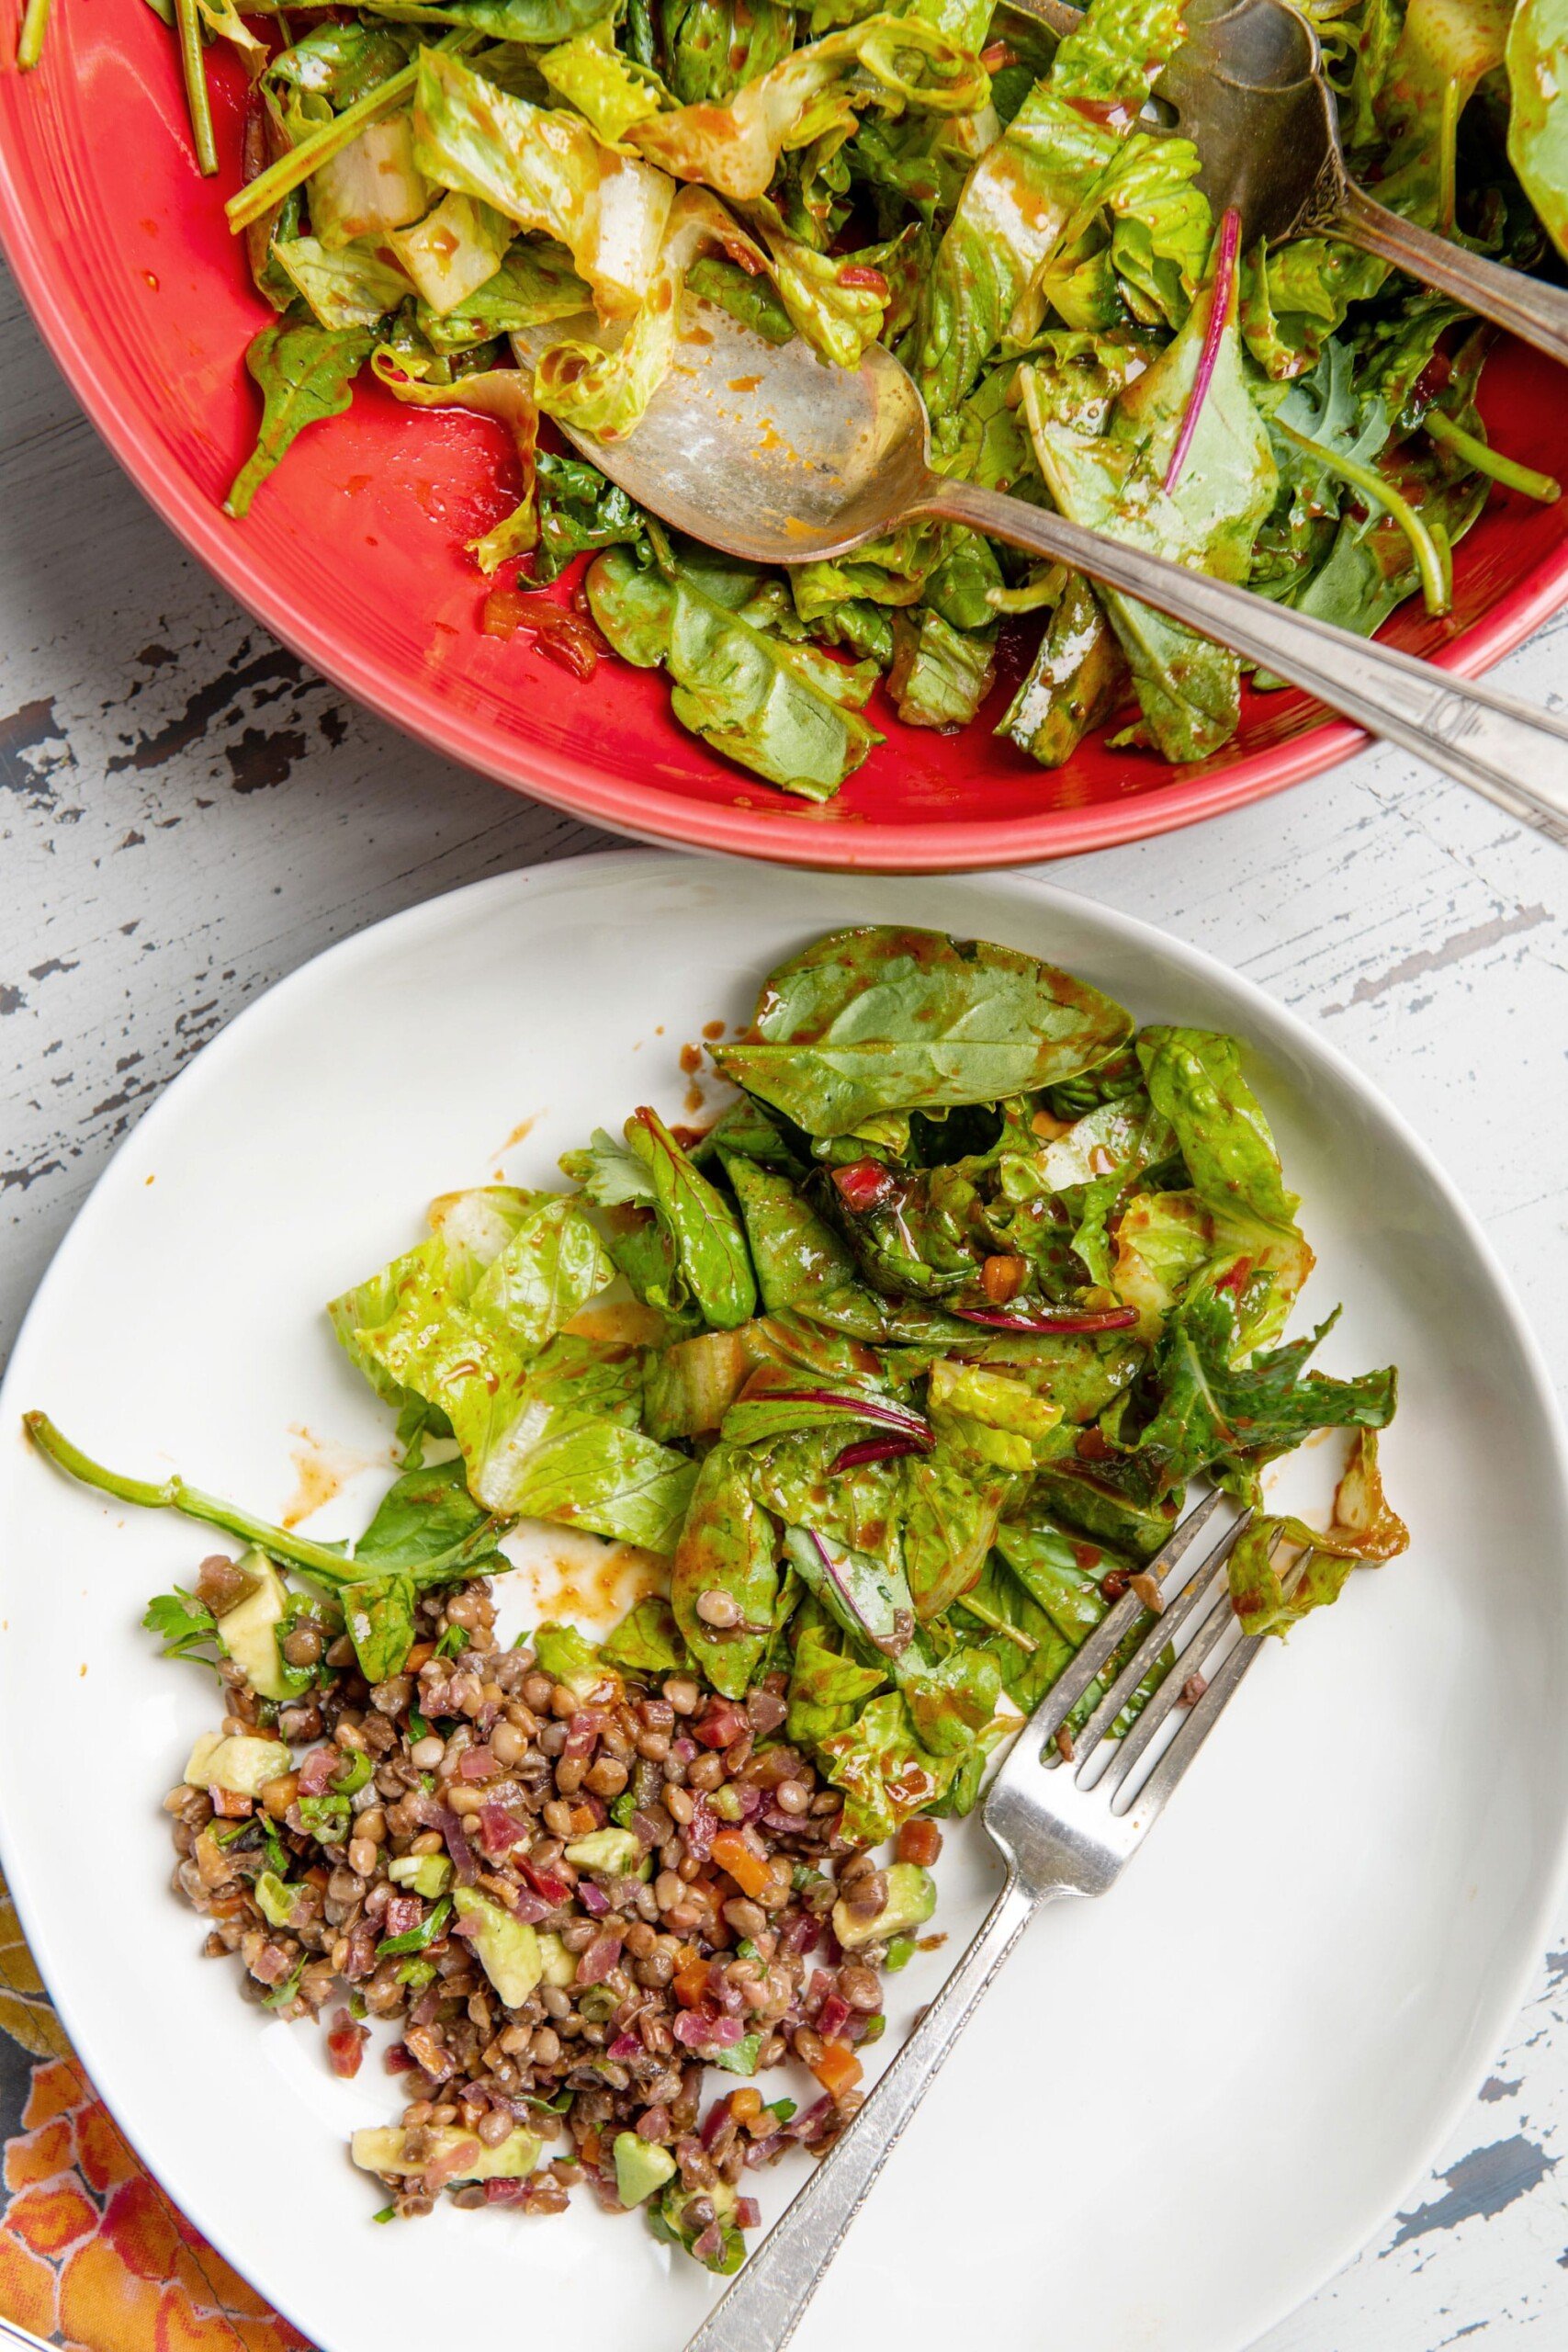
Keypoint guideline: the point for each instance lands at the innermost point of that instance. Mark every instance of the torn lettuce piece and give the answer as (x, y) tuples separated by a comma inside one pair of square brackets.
[(1364, 1530), (352, 286), (506, 396), (814, 93), (369, 188), (543, 168), (940, 675)]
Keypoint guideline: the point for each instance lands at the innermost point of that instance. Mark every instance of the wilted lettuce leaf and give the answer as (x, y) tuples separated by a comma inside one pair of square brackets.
[(711, 47), (647, 1641), (825, 1685), (940, 675), (351, 286), (1363, 1529), (603, 1476), (885, 61), (1079, 677), (884, 1018), (543, 168), (1213, 1412), (886, 1775)]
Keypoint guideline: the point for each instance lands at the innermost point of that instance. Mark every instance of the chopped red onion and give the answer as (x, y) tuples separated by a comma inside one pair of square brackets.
[(710, 2246), (832, 2017), (317, 1770), (748, 2212), (403, 1912), (625, 2045), (457, 1846), (499, 1832), (475, 1764), (601, 1955), (592, 1898), (544, 1882)]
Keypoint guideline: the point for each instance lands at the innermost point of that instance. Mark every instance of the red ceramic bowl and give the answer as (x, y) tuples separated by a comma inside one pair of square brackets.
[(353, 554)]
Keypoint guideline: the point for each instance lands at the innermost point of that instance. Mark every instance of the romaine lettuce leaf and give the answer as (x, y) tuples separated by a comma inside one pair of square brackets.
[(352, 286), (711, 47), (815, 93), (543, 168), (940, 675), (1364, 1529)]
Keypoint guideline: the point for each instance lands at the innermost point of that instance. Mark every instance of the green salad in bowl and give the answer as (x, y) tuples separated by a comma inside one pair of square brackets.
[(893, 1377), (427, 181)]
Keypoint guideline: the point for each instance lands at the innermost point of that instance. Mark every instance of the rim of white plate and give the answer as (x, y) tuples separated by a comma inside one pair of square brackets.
[(340, 957)]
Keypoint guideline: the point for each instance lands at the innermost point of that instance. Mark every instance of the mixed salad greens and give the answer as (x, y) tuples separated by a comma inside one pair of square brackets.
[(426, 178), (929, 1332)]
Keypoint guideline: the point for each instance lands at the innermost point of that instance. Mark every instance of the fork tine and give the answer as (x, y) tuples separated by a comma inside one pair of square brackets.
[(1198, 1594), (1102, 1644), (1201, 1719)]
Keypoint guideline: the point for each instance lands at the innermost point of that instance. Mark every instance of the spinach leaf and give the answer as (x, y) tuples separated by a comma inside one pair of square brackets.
[(725, 1583), (1195, 1080), (1538, 135), (647, 1641), (1212, 1413), (424, 1519), (886, 1018), (378, 1615), (304, 372), (742, 691), (710, 1241), (826, 1686)]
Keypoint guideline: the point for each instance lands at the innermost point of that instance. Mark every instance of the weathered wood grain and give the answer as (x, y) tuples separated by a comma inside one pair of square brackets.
[(186, 814)]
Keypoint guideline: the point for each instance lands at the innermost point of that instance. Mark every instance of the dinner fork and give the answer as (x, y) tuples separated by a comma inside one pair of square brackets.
[(1066, 1812)]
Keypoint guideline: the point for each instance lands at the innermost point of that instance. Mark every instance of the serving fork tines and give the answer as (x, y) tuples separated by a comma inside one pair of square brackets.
[(1066, 1810)]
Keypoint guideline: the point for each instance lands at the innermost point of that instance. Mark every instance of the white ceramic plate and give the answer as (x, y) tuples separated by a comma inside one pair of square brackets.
[(1182, 2107)]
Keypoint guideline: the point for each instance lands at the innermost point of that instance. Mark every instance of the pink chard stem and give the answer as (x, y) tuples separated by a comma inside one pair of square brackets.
[(1219, 319)]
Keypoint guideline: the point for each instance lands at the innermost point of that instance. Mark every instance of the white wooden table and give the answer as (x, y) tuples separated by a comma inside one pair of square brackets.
[(186, 814)]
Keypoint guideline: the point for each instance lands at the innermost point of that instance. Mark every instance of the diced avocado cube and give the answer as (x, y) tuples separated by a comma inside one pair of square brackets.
[(508, 1948), (276, 1899), (640, 2167), (911, 1899), (380, 2149), (236, 1761), (250, 1628), (612, 1852), (427, 1874), (557, 1964)]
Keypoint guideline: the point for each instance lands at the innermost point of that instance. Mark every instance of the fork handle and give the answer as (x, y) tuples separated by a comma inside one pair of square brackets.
[(1516, 756), (763, 2308), (1536, 313)]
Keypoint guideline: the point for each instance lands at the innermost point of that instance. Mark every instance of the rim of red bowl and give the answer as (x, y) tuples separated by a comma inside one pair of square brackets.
[(580, 788)]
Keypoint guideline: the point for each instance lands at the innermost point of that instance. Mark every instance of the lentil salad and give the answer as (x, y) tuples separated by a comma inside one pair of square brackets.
[(933, 1327)]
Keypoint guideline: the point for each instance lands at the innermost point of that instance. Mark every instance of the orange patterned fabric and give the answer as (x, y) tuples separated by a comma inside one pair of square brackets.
[(94, 2257)]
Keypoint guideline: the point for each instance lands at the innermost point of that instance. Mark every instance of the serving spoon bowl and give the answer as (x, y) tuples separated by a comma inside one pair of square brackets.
[(1249, 88), (764, 451)]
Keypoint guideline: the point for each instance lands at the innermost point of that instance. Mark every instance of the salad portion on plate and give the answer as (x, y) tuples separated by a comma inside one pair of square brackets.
[(425, 183), (895, 1375)]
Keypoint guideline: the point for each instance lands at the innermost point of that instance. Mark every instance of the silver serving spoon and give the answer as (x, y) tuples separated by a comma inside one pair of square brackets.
[(768, 453), (1247, 86)]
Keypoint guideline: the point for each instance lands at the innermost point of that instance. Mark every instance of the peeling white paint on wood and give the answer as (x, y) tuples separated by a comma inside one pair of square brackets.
[(186, 814)]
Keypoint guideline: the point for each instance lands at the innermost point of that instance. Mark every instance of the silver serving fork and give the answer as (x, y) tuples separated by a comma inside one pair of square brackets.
[(1059, 1831)]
